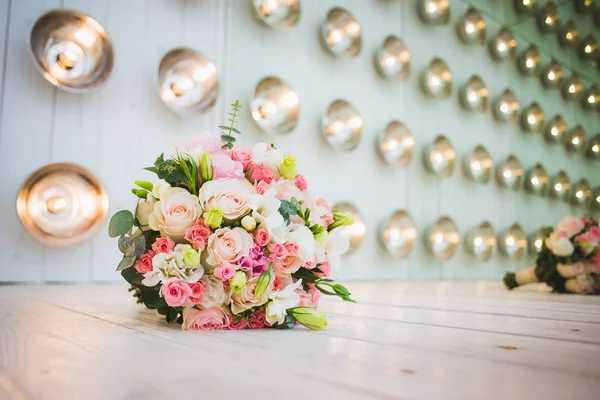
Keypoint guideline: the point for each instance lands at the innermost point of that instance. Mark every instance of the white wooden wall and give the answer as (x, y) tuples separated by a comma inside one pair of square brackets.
[(124, 126)]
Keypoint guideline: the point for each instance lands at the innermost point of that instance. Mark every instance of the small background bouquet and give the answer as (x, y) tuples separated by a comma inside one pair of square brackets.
[(569, 260), (230, 238)]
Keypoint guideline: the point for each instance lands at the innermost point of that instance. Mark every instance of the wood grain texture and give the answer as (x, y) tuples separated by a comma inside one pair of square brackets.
[(95, 342), (119, 129)]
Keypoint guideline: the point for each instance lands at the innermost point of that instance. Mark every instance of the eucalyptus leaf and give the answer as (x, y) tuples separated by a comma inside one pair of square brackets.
[(125, 245), (120, 223), (126, 262), (139, 246)]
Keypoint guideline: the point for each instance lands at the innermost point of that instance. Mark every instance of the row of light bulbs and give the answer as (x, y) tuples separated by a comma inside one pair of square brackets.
[(397, 235)]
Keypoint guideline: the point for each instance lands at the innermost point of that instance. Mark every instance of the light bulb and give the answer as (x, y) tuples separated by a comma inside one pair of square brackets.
[(56, 205)]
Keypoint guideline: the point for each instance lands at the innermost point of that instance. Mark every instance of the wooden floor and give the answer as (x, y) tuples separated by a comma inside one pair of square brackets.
[(401, 341)]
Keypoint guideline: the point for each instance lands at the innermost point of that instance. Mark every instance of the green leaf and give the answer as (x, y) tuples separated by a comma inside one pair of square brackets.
[(132, 276), (120, 223), (151, 297), (126, 262), (172, 315), (154, 170)]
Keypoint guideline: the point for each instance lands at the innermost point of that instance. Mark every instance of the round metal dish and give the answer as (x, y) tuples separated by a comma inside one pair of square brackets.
[(532, 118), (572, 88), (480, 241), (439, 157), (592, 150), (555, 129), (434, 12), (275, 106), (471, 27), (536, 241), (529, 61), (396, 144), (342, 126), (548, 17), (341, 34), (393, 59), (591, 98), (584, 6), (575, 139), (71, 50), (552, 75), (478, 165), (588, 48), (503, 46), (581, 195), (506, 107), (509, 173), (188, 81), (62, 204), (568, 34), (398, 233), (474, 94), (512, 242), (442, 238), (356, 231), (536, 180), (278, 14), (526, 7), (560, 186), (436, 80)]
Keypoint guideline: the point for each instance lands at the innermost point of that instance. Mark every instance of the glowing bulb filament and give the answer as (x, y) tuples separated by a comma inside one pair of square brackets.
[(179, 87), (56, 205)]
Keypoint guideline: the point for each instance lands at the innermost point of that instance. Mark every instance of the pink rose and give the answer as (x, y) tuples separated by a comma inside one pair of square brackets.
[(175, 292), (198, 235), (315, 294), (241, 324), (278, 251), (262, 237), (144, 264), (208, 319), (291, 248), (244, 156), (287, 266), (197, 295), (310, 298), (300, 182), (326, 270), (257, 320), (228, 246), (261, 173), (225, 168), (277, 284), (570, 225), (591, 237), (224, 272), (163, 245), (261, 187)]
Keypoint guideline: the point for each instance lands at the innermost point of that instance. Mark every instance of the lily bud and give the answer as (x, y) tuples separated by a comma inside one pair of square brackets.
[(144, 185), (249, 223), (309, 317), (214, 217), (206, 167), (263, 283), (238, 282), (340, 219)]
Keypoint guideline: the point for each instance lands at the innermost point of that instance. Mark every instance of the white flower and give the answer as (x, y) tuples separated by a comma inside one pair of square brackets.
[(265, 210), (559, 245), (280, 234), (231, 195), (159, 189), (214, 292), (176, 211), (170, 265), (264, 154), (335, 245), (303, 237), (281, 300), (143, 210)]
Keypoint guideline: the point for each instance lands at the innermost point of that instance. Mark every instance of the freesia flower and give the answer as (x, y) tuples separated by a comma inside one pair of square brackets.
[(176, 211), (570, 226), (265, 211), (305, 241), (160, 188), (208, 319), (231, 195), (262, 153), (335, 245), (281, 301)]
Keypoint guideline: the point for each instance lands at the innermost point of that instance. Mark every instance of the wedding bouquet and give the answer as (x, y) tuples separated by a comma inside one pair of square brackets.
[(230, 238), (569, 260)]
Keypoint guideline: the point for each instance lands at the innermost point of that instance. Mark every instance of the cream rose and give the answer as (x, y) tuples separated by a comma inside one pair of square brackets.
[(177, 211), (228, 246), (231, 195), (245, 300), (215, 294)]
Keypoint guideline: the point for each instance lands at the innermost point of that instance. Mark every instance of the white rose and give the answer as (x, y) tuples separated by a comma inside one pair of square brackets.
[(264, 154), (227, 245), (231, 195), (303, 237), (265, 210), (559, 245), (281, 300), (160, 188), (177, 211), (143, 210)]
